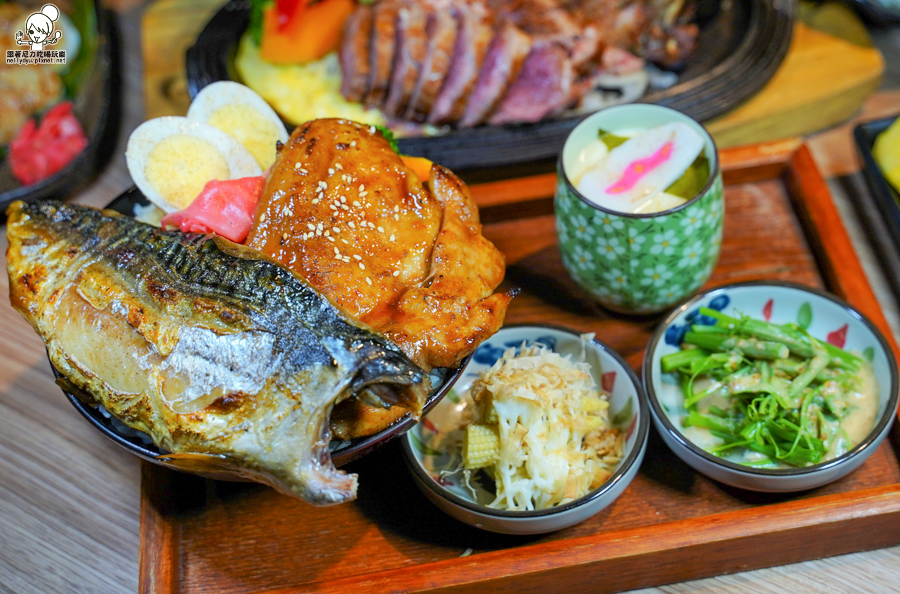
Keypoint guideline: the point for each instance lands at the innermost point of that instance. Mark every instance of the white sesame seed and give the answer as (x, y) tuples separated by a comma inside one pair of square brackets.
[(338, 166), (323, 185), (330, 171), (303, 171), (351, 224), (345, 241), (353, 143), (285, 236), (346, 259), (327, 233), (262, 217), (356, 203), (357, 257), (343, 199), (396, 208), (345, 207), (363, 194), (332, 207), (396, 217), (311, 226), (368, 280), (319, 226), (396, 273), (331, 239), (371, 225), (318, 232), (371, 129), (337, 251), (392, 237), (362, 266), (380, 229), (315, 201), (337, 257), (335, 229), (362, 187), (298, 164)]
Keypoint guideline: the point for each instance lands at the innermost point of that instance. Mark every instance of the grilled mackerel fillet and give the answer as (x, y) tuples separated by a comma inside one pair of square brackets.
[(213, 349)]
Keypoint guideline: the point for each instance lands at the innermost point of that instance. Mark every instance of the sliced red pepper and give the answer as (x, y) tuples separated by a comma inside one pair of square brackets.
[(289, 12)]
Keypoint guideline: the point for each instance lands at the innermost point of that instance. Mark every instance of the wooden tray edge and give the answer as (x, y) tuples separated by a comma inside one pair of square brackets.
[(158, 558), (651, 556)]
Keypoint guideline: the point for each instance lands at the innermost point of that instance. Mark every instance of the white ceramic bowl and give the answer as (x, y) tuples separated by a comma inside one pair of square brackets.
[(826, 318), (427, 453)]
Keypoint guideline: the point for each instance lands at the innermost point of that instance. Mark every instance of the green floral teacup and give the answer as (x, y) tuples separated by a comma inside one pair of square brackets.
[(637, 263)]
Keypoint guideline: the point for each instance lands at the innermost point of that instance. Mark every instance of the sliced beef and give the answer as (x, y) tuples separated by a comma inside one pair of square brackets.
[(409, 53), (473, 37), (547, 21), (382, 41), (354, 54), (618, 23), (502, 63), (441, 34), (669, 48), (466, 62), (543, 87), (615, 60)]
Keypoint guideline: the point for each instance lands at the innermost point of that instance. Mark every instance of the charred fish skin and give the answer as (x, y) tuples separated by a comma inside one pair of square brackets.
[(209, 347)]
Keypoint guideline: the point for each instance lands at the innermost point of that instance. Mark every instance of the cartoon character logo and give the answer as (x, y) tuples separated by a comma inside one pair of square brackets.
[(39, 27)]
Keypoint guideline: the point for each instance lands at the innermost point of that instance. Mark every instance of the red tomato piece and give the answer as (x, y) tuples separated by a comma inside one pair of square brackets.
[(222, 207), (38, 152)]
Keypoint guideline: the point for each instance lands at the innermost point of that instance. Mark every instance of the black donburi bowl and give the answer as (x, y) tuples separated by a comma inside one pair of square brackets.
[(139, 444)]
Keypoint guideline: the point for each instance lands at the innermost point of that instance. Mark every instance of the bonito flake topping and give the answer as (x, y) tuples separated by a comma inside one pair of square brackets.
[(555, 439)]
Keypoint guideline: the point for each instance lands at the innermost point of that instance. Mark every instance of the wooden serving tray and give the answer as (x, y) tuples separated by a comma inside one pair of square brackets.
[(672, 524)]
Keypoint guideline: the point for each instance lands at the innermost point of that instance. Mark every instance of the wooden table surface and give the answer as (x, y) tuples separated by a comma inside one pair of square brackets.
[(69, 499)]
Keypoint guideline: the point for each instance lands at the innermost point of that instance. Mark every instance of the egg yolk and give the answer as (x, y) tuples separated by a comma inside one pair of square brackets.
[(180, 165), (250, 128)]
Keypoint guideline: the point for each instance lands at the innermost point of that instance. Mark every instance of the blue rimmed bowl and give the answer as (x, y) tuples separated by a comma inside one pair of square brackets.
[(432, 452), (825, 317)]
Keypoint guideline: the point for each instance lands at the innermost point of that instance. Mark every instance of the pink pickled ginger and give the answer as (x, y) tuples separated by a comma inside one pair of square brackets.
[(223, 207)]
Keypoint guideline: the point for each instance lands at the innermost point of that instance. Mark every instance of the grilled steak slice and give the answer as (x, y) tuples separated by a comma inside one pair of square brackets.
[(354, 54), (472, 40), (381, 49), (547, 21), (409, 53), (544, 87), (441, 34), (501, 66)]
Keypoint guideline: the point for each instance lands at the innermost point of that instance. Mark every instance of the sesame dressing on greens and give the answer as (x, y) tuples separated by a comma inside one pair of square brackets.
[(770, 395)]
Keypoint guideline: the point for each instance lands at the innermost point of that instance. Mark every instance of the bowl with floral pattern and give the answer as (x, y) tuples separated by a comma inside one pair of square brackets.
[(433, 447), (807, 310), (636, 263)]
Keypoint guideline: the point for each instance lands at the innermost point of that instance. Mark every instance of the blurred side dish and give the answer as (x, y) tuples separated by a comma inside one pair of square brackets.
[(886, 151), (36, 150)]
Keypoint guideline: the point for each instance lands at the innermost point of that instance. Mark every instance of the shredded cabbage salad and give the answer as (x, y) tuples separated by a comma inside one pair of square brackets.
[(556, 443)]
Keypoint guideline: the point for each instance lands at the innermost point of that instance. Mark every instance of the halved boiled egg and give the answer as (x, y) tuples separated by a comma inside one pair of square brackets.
[(171, 158), (237, 110)]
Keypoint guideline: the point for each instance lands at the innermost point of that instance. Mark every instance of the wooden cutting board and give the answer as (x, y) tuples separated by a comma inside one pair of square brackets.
[(822, 81)]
